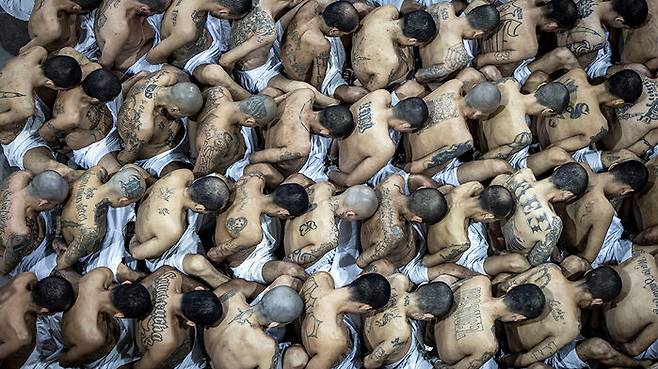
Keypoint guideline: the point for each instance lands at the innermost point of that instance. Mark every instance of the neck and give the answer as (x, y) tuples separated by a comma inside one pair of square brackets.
[(471, 206), (388, 116), (545, 188), (461, 25), (334, 203), (105, 303), (268, 206), (175, 302), (397, 35), (311, 120), (130, 6), (161, 97), (188, 203), (344, 301), (602, 94), (499, 308)]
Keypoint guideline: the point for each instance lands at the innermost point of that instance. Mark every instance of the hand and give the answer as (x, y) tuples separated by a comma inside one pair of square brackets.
[(225, 63)]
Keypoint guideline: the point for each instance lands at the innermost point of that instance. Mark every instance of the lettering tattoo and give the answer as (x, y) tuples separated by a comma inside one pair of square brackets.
[(468, 317), (235, 225), (440, 109), (650, 284), (387, 317), (364, 120), (165, 193), (156, 323), (556, 312), (449, 153), (637, 111), (10, 94), (163, 211), (307, 227)]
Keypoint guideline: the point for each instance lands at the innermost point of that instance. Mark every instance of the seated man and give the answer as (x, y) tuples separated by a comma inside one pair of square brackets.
[(98, 330), (534, 228), (365, 155), (638, 43), (22, 112), (85, 215), (182, 310), (453, 48), (394, 334), (298, 142), (167, 223), (150, 124), (336, 344), (311, 50), (506, 133), (25, 300), (26, 225), (583, 123), (461, 236), (646, 215), (466, 338), (514, 45), (248, 233), (312, 239), (392, 60)]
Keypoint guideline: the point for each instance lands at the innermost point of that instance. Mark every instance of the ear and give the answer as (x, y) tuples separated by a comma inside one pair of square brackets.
[(191, 324), (123, 200), (487, 216), (42, 203), (619, 22), (478, 34), (50, 84), (144, 9), (119, 315), (416, 219), (199, 288), (365, 307), (44, 311), (550, 27), (405, 127), (324, 132), (427, 317), (126, 282), (596, 302), (198, 208), (350, 214), (413, 41), (282, 213), (518, 317), (563, 196), (547, 112), (333, 31), (249, 122), (616, 103), (273, 325)]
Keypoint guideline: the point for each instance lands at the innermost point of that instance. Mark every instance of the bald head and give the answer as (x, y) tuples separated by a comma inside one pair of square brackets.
[(187, 97), (281, 304), (49, 186), (362, 200), (484, 97), (261, 107), (128, 183)]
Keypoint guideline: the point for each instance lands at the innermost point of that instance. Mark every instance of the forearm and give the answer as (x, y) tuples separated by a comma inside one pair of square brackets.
[(432, 73), (439, 157), (543, 350), (238, 53), (376, 252), (498, 58), (224, 250), (647, 237), (310, 254), (160, 53), (445, 255), (275, 155), (574, 143), (646, 143)]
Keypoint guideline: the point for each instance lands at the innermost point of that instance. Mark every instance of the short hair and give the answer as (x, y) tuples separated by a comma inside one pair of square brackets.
[(338, 120), (158, 6), (525, 299), (281, 304), (553, 95), (132, 300), (261, 107), (292, 197), (429, 204), (201, 307), (89, 4), (420, 25), (129, 183), (634, 11), (434, 298), (371, 289), (64, 71), (484, 18), (570, 177), (342, 15), (483, 97), (362, 199), (412, 110), (187, 97), (563, 12), (625, 84), (102, 84), (49, 186), (632, 173), (53, 293), (603, 283), (238, 8), (211, 192), (497, 200)]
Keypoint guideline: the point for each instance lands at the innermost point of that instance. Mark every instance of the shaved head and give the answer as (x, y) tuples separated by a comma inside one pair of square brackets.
[(362, 200), (49, 186), (187, 97), (128, 183), (484, 97), (281, 304), (261, 107)]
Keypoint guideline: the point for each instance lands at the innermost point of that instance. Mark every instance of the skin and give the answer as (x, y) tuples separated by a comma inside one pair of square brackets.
[(645, 211), (640, 43), (53, 24)]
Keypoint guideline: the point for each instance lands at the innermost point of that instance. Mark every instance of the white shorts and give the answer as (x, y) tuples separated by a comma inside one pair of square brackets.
[(43, 260), (346, 253), (475, 256), (91, 155), (387, 171), (448, 175), (599, 66), (353, 358), (251, 268), (87, 45), (49, 343), (256, 80), (220, 31), (415, 270), (189, 243), (323, 264), (196, 358), (333, 78), (521, 72), (651, 353), (20, 9), (142, 65), (614, 250), (590, 157), (236, 170), (651, 153), (520, 159), (567, 357), (124, 351), (28, 138), (315, 166), (179, 153), (416, 357)]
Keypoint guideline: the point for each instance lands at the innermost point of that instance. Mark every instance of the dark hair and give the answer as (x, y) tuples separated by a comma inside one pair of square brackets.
[(211, 192), (553, 95), (434, 298), (102, 84), (563, 12), (429, 204), (603, 283), (64, 71), (292, 197), (338, 120), (201, 307), (157, 6), (570, 177), (419, 24), (342, 15), (89, 4), (626, 85), (497, 200), (412, 110), (484, 18), (50, 186), (372, 289), (53, 293), (634, 11), (632, 173), (132, 300), (526, 299), (238, 8)]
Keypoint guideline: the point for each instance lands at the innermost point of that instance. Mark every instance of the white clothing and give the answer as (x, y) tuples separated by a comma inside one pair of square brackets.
[(353, 358), (92, 154), (346, 253), (236, 169), (323, 264), (333, 78), (651, 353), (20, 9), (49, 343), (415, 270), (315, 167), (28, 138), (614, 250), (256, 80), (567, 357), (599, 66), (87, 45), (474, 257), (416, 357), (521, 72), (251, 268), (125, 350), (520, 158), (189, 243), (590, 157), (43, 260), (448, 175), (389, 168), (142, 64), (220, 31), (178, 153)]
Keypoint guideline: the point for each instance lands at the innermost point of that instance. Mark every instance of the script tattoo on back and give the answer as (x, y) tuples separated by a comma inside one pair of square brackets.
[(441, 109), (156, 323), (468, 317), (364, 120)]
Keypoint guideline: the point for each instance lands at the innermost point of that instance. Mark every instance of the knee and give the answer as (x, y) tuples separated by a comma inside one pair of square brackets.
[(565, 57), (595, 349), (196, 264), (517, 263), (292, 270), (295, 357), (382, 266), (498, 167), (558, 156), (287, 280)]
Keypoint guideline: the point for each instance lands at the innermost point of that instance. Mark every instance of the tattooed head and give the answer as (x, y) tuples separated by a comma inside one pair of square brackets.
[(53, 293), (634, 12), (132, 300), (235, 8), (570, 177), (358, 203), (341, 16), (563, 12), (484, 18), (632, 174), (603, 283), (63, 71), (433, 298), (262, 108), (497, 200), (413, 111), (156, 6), (418, 26), (128, 183), (102, 84), (526, 299), (49, 186), (553, 95), (292, 198), (211, 192), (281, 304), (429, 204), (187, 98), (626, 85), (370, 289), (89, 4), (201, 307), (338, 120)]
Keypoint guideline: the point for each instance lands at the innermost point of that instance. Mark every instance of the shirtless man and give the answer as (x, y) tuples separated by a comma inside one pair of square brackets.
[(248, 232), (329, 334), (583, 123), (311, 50), (644, 209), (22, 197), (534, 228), (22, 112), (393, 335), (451, 50), (639, 43), (84, 216), (98, 329), (166, 225), (22, 300), (466, 338), (369, 148), (167, 337), (149, 122), (392, 61)]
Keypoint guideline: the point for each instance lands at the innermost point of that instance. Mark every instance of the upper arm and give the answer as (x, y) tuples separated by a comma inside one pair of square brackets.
[(596, 236)]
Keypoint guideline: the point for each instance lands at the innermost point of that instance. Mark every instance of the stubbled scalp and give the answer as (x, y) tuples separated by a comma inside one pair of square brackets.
[(50, 186), (262, 108), (281, 304), (129, 183), (187, 97), (362, 200), (484, 97)]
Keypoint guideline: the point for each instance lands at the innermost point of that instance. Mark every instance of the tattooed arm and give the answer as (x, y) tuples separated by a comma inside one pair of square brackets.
[(500, 57), (255, 42), (521, 140), (101, 118), (541, 351), (362, 173), (446, 255), (244, 241), (380, 353), (438, 157), (277, 155), (596, 235), (648, 142), (542, 250), (17, 248), (311, 253)]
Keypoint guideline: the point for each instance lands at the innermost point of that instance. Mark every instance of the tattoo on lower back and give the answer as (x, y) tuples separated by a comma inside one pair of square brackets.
[(156, 323), (364, 120), (235, 225), (165, 193), (307, 227), (468, 317), (163, 211)]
